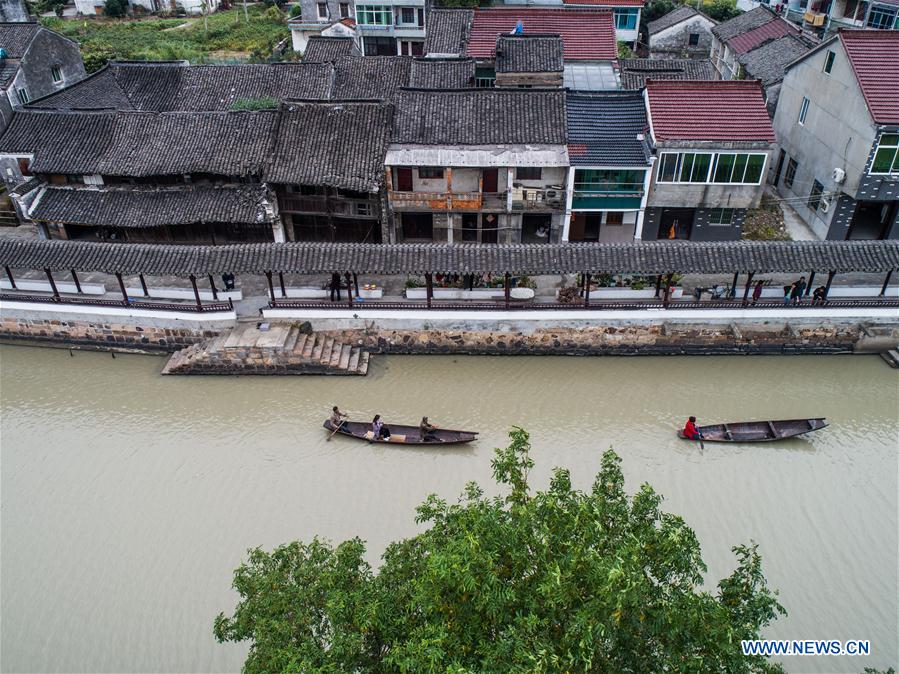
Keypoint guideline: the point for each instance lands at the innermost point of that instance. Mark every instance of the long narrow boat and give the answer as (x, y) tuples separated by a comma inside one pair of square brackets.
[(758, 431), (403, 435)]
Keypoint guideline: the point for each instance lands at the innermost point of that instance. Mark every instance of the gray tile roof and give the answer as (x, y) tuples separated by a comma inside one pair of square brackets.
[(8, 70), (174, 86), (480, 117), (603, 129), (370, 77), (526, 53), (743, 23), (16, 36), (672, 18), (635, 72), (321, 49), (448, 31), (767, 62), (341, 145), (442, 73), (148, 207), (657, 257)]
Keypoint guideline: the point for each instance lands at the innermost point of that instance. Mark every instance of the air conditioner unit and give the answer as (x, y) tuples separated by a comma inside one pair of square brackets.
[(555, 203), (551, 194), (825, 205), (839, 176)]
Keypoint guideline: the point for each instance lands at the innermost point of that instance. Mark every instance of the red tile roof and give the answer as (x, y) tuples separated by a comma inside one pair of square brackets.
[(587, 34), (609, 3), (708, 110), (874, 55), (767, 31)]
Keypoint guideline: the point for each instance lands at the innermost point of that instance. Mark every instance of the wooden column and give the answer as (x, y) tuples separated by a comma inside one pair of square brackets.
[(52, 283), (271, 288), (215, 292), (507, 287), (746, 288), (733, 285), (143, 285), (667, 296), (193, 282), (658, 284), (349, 288), (811, 280), (829, 281), (883, 288), (12, 281), (356, 283), (281, 283), (75, 279), (449, 188), (429, 288), (586, 291), (122, 287)]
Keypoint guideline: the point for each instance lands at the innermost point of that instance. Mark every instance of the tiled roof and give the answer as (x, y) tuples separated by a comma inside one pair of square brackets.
[(587, 34), (369, 77), (743, 23), (448, 31), (605, 3), (603, 129), (320, 49), (15, 38), (442, 73), (174, 86), (8, 70), (529, 53), (672, 18), (635, 72), (76, 139), (767, 31), (709, 110), (657, 257), (480, 117), (874, 55), (147, 207), (767, 62), (340, 145)]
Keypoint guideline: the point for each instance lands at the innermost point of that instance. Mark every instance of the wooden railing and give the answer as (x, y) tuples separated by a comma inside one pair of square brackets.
[(191, 307)]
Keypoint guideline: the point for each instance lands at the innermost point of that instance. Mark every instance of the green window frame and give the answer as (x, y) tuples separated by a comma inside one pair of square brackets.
[(886, 157), (729, 168), (738, 168), (721, 216), (374, 15)]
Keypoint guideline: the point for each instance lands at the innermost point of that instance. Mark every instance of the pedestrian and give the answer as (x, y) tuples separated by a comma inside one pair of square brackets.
[(757, 291), (798, 290), (819, 297), (788, 290), (335, 286), (228, 280)]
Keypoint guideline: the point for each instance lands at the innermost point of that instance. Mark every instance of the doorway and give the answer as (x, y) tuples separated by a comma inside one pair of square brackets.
[(403, 179), (470, 227), (676, 223), (872, 220), (535, 227), (418, 226), (491, 180), (780, 165)]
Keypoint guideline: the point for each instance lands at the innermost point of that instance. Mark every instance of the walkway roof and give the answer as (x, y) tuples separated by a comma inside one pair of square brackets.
[(318, 258)]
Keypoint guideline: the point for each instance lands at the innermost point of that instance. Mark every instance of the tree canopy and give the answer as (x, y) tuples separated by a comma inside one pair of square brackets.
[(561, 580)]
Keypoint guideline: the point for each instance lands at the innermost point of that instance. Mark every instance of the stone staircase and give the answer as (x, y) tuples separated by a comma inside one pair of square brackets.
[(282, 349)]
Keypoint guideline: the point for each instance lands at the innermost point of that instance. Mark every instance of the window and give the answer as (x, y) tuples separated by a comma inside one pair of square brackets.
[(614, 218), (23, 96), (803, 110), (374, 15), (323, 11), (685, 167), (740, 168), (721, 216), (528, 173), (886, 159), (407, 16), (693, 40), (344, 10), (418, 226), (828, 61), (626, 18), (814, 197), (56, 74), (790, 175), (379, 46), (484, 78), (426, 172), (601, 181), (881, 17), (411, 48)]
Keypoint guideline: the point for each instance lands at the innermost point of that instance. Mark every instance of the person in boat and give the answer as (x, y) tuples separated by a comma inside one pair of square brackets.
[(690, 430), (428, 430), (379, 428), (337, 419)]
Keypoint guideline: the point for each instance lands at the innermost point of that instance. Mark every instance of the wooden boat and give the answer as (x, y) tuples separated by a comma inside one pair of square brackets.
[(403, 435), (758, 431)]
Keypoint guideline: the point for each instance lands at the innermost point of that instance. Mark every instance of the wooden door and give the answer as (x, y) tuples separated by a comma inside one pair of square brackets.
[(491, 180), (403, 179)]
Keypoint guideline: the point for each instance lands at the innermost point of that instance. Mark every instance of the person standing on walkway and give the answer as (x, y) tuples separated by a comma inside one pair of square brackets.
[(335, 286), (228, 280), (798, 290), (788, 291), (757, 291)]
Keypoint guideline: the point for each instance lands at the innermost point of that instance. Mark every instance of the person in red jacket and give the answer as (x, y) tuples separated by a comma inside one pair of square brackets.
[(690, 430)]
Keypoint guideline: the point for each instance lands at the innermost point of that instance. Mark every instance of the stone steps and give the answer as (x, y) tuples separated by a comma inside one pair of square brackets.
[(891, 357), (282, 349)]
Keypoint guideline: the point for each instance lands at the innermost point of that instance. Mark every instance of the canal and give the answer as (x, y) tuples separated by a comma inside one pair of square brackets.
[(128, 498)]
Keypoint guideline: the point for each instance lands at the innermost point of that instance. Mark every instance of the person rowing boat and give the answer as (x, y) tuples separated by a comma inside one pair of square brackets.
[(427, 429), (690, 430)]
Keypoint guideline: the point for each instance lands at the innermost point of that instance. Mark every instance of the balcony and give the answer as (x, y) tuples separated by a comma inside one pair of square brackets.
[(447, 201), (600, 196), (341, 206), (537, 199)]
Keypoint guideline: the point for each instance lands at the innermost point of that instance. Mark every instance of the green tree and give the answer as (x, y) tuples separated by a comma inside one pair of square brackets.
[(560, 580), (722, 10), (115, 7)]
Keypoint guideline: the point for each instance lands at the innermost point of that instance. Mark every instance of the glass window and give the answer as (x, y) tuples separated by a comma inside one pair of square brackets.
[(374, 15), (614, 218), (426, 172), (528, 173), (828, 61), (881, 17), (379, 46), (699, 172), (754, 166), (56, 74), (626, 18), (721, 216), (322, 10), (886, 159), (814, 197), (803, 110), (407, 15), (23, 95), (668, 170), (344, 10), (724, 168), (790, 174), (693, 40)]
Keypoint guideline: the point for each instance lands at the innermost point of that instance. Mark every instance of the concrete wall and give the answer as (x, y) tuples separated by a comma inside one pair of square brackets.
[(674, 42), (701, 231), (47, 50), (13, 11)]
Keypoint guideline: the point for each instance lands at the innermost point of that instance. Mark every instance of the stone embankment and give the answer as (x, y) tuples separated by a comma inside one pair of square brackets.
[(281, 349)]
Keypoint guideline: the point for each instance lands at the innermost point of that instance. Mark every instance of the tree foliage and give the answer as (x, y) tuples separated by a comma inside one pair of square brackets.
[(560, 580), (115, 8), (722, 10)]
